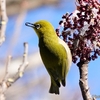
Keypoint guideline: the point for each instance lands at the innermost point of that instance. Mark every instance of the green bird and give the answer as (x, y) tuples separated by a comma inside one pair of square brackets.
[(54, 52)]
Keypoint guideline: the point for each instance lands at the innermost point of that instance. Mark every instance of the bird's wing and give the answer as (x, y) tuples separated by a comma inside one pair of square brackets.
[(67, 50)]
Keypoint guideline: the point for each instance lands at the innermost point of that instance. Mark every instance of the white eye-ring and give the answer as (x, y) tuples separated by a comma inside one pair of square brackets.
[(37, 26)]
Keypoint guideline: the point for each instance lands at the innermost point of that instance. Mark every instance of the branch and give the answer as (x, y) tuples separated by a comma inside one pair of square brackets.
[(83, 82), (7, 80), (22, 66), (3, 84), (3, 22)]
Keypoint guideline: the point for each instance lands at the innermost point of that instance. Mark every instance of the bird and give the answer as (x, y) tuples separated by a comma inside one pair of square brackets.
[(54, 52)]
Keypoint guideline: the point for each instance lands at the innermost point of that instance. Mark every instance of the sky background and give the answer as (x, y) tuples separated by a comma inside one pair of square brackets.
[(14, 46)]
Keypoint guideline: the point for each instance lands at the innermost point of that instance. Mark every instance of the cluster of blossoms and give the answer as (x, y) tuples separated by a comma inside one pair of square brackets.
[(81, 30)]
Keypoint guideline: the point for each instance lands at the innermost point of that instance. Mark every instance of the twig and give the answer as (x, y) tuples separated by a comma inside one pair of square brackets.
[(3, 22), (83, 82), (3, 84), (7, 66), (21, 68), (7, 80)]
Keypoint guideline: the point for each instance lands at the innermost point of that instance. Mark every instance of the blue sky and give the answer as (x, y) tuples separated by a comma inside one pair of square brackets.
[(52, 14)]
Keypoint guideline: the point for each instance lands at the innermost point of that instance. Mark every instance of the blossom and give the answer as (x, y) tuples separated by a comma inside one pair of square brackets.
[(81, 30)]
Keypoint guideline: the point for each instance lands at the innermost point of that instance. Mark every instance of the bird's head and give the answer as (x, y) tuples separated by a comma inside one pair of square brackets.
[(42, 28)]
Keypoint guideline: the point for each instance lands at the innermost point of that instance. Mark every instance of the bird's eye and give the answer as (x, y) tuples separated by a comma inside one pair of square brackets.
[(37, 26)]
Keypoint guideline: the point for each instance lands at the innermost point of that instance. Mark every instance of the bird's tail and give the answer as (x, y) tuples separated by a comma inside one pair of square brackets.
[(54, 88)]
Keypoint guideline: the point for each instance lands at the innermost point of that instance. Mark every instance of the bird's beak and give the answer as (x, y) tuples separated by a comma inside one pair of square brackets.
[(30, 24)]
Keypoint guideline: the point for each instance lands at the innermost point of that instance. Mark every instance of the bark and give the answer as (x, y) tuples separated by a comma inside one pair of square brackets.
[(83, 81)]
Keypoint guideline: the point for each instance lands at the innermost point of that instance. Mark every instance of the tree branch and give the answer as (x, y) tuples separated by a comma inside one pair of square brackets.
[(3, 22), (7, 80), (83, 82), (22, 66)]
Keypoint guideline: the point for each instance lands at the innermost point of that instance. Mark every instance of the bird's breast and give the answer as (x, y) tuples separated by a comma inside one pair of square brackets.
[(49, 52)]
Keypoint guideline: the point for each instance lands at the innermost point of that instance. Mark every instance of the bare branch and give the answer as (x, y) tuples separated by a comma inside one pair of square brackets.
[(25, 62), (7, 66), (21, 68), (3, 22), (83, 82), (3, 85), (7, 80)]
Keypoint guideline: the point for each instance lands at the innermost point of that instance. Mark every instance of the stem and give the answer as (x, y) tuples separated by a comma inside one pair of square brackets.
[(83, 82), (9, 80), (3, 22)]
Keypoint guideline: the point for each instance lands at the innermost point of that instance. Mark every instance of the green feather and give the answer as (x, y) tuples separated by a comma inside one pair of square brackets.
[(54, 52)]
